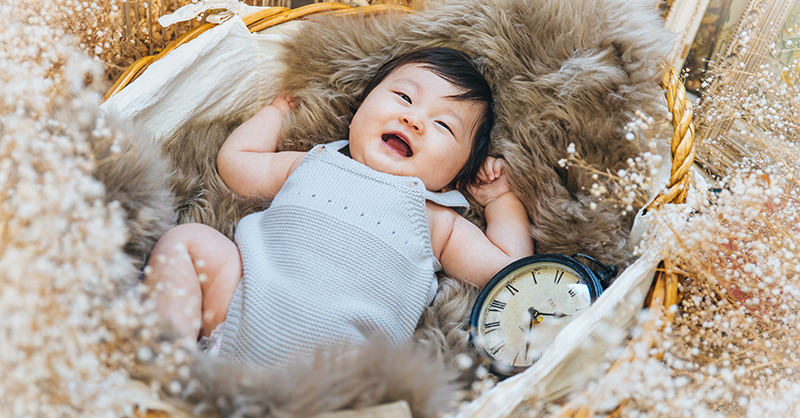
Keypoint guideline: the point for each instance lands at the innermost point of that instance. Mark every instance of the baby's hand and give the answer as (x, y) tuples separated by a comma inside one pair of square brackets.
[(284, 103), (492, 181)]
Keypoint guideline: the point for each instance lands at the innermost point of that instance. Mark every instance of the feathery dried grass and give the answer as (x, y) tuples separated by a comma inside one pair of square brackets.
[(76, 322), (731, 349), (74, 319)]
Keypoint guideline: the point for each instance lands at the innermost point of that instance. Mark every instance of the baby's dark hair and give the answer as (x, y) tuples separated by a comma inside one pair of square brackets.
[(457, 68)]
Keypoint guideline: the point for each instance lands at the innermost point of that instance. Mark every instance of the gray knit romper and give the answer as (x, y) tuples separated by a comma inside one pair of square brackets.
[(342, 253)]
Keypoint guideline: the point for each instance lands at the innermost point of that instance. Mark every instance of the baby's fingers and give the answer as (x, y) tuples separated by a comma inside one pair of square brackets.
[(492, 169), (483, 176), (488, 171), (498, 167), (284, 102)]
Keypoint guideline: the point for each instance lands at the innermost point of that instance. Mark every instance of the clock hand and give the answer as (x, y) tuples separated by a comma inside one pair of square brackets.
[(556, 314), (527, 338), (536, 314)]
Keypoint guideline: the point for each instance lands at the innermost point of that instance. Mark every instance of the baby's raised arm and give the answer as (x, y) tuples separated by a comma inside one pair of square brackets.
[(248, 162), (469, 254)]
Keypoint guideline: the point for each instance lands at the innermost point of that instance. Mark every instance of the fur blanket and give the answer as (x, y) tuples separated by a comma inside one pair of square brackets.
[(563, 72)]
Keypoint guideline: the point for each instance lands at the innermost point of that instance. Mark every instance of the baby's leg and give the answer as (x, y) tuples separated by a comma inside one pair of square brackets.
[(192, 273)]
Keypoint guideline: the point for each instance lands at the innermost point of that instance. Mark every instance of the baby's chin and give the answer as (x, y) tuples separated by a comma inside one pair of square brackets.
[(387, 163), (397, 170)]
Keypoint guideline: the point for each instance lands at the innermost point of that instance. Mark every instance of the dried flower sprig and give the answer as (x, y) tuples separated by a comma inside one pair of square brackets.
[(628, 188), (734, 336), (75, 320), (732, 348)]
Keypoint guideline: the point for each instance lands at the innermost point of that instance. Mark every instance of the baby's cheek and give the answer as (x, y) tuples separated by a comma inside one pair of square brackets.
[(447, 166)]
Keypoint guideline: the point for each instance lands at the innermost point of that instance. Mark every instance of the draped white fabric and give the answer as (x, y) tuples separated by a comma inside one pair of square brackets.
[(223, 70)]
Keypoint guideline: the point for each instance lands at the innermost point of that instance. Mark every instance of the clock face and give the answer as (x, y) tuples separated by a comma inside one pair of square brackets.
[(524, 309)]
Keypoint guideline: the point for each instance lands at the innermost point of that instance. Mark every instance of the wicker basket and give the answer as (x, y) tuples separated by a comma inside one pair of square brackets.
[(663, 292)]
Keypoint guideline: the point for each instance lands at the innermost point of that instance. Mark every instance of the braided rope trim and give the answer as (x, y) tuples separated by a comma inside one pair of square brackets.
[(663, 293), (682, 140)]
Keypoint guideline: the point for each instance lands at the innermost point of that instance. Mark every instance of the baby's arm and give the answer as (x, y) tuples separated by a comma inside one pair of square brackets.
[(248, 162), (473, 256)]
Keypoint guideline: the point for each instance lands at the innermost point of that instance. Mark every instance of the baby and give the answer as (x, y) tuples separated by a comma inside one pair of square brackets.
[(357, 229)]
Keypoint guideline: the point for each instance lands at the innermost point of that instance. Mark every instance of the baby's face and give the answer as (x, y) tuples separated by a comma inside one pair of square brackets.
[(409, 126)]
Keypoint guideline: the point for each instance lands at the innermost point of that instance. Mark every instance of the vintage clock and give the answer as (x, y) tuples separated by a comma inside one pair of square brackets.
[(520, 311)]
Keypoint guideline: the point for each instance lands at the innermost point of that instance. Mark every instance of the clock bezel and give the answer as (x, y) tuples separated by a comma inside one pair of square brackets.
[(584, 273)]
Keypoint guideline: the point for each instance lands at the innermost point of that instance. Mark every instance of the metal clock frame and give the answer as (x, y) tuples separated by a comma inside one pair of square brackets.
[(594, 282)]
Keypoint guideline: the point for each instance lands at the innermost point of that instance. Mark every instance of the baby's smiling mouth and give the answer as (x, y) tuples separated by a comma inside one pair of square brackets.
[(398, 143)]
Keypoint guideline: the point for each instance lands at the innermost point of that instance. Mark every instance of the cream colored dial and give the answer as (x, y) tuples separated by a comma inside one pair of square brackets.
[(522, 314)]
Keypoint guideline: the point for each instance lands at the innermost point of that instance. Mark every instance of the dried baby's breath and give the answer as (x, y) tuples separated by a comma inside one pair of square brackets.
[(732, 348), (78, 335), (735, 338), (72, 308), (628, 188)]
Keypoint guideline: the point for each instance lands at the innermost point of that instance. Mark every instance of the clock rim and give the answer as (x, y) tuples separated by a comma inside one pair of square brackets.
[(585, 273)]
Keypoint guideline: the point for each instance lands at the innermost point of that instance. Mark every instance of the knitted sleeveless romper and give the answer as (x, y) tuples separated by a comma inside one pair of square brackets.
[(342, 253)]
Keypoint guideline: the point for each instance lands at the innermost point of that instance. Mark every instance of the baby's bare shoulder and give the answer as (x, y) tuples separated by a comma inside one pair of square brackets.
[(438, 213), (440, 220)]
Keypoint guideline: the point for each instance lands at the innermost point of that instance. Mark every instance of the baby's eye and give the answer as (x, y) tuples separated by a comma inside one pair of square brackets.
[(444, 125), (403, 96)]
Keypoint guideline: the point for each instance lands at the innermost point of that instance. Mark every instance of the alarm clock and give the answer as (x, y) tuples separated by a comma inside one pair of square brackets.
[(519, 312)]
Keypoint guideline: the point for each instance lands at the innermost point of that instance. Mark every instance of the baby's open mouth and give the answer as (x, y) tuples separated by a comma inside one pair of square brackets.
[(397, 143)]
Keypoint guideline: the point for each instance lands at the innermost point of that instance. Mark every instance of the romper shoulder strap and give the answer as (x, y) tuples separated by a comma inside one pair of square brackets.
[(337, 145), (452, 199), (333, 146)]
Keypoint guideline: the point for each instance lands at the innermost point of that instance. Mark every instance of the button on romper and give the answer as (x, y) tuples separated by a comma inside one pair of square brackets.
[(342, 253)]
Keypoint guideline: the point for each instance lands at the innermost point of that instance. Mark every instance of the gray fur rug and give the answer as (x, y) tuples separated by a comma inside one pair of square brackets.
[(567, 71)]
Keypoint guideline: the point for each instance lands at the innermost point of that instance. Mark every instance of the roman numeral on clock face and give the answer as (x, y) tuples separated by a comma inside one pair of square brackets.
[(497, 349), (572, 292), (494, 324), (496, 306), (558, 276), (512, 289)]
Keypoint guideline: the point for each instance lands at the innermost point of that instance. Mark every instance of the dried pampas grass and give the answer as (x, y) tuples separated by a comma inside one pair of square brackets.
[(732, 348), (78, 332), (74, 321)]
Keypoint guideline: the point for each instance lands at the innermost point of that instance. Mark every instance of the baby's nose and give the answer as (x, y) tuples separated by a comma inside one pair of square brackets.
[(412, 122)]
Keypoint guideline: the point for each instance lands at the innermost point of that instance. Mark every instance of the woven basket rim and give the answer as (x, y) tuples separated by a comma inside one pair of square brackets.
[(663, 291)]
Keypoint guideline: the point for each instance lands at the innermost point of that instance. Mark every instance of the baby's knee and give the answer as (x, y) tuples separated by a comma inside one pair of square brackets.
[(181, 236), (176, 241), (206, 246), (186, 232)]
